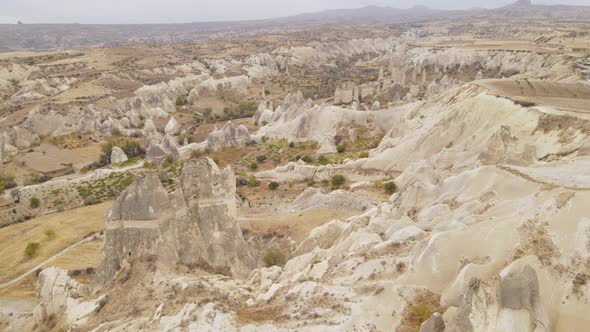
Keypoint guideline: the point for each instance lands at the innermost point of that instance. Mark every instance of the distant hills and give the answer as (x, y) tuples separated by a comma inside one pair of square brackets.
[(15, 37)]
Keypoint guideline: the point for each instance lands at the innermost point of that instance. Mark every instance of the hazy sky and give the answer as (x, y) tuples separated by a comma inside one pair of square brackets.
[(176, 11)]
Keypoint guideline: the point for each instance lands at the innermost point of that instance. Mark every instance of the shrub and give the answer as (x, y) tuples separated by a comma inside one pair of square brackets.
[(274, 257), (251, 143), (390, 187), (181, 101), (310, 182), (337, 181), (168, 161), (420, 312), (261, 158), (291, 145), (207, 150), (323, 160), (273, 185), (31, 249), (307, 159), (115, 132), (185, 136), (132, 149), (364, 154), (341, 148), (165, 177), (34, 202), (50, 233), (90, 200), (241, 182), (253, 182), (253, 166), (36, 178), (264, 123), (107, 149), (7, 182)]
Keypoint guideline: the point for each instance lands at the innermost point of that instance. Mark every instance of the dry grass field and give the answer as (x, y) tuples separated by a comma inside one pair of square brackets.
[(53, 233)]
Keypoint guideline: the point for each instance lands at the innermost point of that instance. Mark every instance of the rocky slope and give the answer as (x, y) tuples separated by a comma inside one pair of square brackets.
[(487, 228)]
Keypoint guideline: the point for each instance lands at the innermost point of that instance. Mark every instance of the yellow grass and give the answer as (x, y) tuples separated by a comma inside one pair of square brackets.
[(70, 227)]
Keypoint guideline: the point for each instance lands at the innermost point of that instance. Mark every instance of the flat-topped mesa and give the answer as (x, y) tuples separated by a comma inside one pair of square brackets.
[(196, 225)]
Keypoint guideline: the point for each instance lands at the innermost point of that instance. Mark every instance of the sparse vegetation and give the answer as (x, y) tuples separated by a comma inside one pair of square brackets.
[(337, 181), (340, 148), (34, 202), (7, 182), (50, 233), (181, 101), (323, 160), (273, 185), (390, 187), (36, 178), (253, 182), (274, 257), (261, 158), (253, 166), (90, 200), (31, 249)]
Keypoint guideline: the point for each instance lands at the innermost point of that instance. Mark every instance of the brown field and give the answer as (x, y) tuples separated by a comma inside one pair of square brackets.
[(69, 227)]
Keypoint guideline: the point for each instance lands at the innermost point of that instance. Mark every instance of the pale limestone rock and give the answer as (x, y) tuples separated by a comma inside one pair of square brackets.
[(196, 224), (172, 127), (118, 155)]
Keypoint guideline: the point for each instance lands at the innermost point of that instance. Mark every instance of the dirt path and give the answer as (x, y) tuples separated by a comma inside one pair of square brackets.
[(36, 267)]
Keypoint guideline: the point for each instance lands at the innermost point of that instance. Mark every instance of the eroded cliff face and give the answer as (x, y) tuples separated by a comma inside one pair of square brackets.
[(196, 225)]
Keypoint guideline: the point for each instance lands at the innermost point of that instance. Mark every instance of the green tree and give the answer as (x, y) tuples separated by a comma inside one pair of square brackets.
[(34, 202)]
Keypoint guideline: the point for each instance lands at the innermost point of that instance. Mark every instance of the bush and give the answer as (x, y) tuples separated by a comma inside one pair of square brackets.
[(323, 160), (390, 187), (261, 158), (274, 257), (253, 182), (165, 177), (31, 249), (251, 143), (337, 181), (50, 233), (253, 166), (273, 185), (90, 200), (36, 178), (132, 149), (364, 154), (241, 182), (310, 182), (340, 148), (307, 159), (181, 101), (7, 182), (35, 202), (107, 149), (291, 145)]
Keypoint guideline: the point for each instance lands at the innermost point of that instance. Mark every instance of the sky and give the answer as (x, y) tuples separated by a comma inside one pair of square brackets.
[(179, 11)]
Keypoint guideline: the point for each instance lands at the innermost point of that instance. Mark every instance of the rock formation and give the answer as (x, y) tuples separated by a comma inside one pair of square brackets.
[(196, 225), (172, 127), (118, 155)]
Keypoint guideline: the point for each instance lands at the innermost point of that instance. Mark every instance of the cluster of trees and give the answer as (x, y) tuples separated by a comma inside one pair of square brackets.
[(131, 148)]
